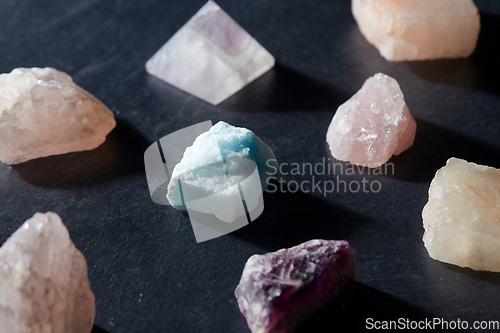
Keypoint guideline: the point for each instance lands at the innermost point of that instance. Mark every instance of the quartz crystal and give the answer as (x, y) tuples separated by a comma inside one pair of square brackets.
[(217, 163), (210, 57), (43, 112), (372, 125), (462, 216), (280, 289), (419, 29), (44, 285)]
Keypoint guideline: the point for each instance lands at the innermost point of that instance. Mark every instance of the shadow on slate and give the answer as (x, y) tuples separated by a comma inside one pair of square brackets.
[(366, 302), (433, 146), (297, 218), (97, 329), (492, 277), (164, 91), (480, 71), (283, 89), (122, 152)]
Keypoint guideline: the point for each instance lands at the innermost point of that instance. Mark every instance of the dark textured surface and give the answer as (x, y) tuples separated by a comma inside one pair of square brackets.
[(146, 270)]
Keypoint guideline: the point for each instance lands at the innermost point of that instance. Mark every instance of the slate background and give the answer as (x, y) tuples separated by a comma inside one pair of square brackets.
[(146, 270)]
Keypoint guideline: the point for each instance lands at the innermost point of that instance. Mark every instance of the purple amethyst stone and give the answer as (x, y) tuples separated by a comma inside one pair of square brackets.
[(278, 290)]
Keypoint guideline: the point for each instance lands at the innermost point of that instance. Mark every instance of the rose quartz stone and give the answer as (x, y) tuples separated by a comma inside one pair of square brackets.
[(43, 112), (44, 286), (372, 125), (419, 29)]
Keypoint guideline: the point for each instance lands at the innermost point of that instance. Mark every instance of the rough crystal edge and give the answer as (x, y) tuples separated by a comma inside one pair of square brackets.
[(60, 151)]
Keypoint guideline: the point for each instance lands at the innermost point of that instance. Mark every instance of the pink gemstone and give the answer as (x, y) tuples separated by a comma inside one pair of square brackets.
[(44, 284), (278, 290), (419, 29), (43, 112), (372, 125)]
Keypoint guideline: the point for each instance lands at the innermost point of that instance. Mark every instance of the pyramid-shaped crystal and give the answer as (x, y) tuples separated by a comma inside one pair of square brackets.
[(210, 57), (374, 124)]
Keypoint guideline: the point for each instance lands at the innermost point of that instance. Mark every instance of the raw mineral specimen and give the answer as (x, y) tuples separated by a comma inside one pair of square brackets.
[(210, 57), (43, 112), (44, 285), (372, 125), (280, 289), (217, 162), (462, 216), (419, 29)]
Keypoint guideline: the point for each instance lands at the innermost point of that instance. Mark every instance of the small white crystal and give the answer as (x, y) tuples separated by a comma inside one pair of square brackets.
[(43, 112), (44, 285), (419, 29), (210, 57), (462, 217)]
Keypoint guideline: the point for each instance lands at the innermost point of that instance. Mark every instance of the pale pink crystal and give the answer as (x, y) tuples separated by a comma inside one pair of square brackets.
[(419, 29), (43, 112), (44, 285), (372, 125)]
